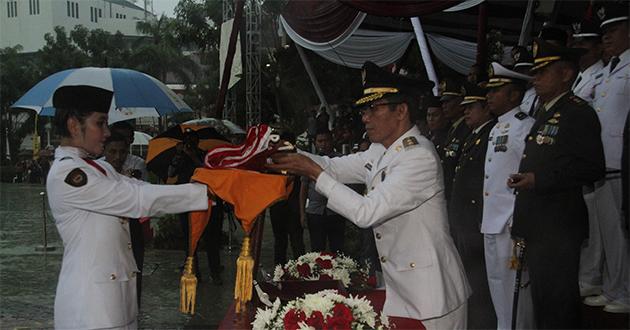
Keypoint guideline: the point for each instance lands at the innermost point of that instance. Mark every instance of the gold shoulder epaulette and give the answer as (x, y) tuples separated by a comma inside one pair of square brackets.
[(577, 99), (409, 141)]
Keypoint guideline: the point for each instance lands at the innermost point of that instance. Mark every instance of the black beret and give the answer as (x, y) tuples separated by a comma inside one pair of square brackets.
[(83, 98)]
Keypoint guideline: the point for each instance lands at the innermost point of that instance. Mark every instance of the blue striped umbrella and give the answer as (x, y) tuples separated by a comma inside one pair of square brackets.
[(135, 94)]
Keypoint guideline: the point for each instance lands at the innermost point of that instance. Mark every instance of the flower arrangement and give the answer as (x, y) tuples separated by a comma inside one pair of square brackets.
[(318, 266), (326, 309)]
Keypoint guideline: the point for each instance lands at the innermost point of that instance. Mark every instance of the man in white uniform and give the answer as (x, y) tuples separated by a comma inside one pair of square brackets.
[(611, 103), (90, 202), (404, 203), (503, 156), (587, 35)]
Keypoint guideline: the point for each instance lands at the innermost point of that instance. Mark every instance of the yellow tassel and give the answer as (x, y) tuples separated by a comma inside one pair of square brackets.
[(514, 259), (188, 288), (244, 277)]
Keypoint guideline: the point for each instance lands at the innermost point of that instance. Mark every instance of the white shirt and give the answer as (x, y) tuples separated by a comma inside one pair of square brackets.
[(583, 86), (88, 200), (612, 104), (503, 157)]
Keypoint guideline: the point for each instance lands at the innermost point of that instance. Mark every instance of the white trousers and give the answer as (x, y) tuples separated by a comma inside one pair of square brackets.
[(498, 252), (456, 319), (605, 258)]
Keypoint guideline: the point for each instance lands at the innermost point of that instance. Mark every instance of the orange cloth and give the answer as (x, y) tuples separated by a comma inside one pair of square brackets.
[(249, 192)]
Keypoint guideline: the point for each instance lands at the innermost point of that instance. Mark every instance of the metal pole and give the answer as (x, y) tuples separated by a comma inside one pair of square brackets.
[(424, 52), (45, 246)]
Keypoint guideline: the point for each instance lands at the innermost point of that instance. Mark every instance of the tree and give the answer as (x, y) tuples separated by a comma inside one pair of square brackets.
[(17, 74), (159, 52), (59, 53)]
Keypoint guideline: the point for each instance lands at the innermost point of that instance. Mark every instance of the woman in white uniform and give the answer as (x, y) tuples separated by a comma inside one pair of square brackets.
[(90, 203)]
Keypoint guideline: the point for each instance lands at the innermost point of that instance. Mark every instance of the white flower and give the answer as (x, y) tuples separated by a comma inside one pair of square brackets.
[(278, 272)]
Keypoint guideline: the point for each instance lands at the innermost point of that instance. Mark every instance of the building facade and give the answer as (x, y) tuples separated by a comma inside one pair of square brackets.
[(25, 22)]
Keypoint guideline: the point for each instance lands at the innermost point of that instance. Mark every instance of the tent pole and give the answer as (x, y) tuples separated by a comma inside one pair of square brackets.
[(311, 75), (526, 27), (227, 68), (424, 51), (482, 42)]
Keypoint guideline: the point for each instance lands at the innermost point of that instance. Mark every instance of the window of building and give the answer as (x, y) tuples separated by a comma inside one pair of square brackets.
[(12, 9), (91, 14), (100, 12), (68, 7), (33, 7), (77, 10)]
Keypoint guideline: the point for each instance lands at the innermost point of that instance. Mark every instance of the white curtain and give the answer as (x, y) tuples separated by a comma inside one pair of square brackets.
[(315, 46), (380, 47)]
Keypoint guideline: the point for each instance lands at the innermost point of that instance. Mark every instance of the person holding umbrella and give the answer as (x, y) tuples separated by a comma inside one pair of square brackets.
[(90, 202)]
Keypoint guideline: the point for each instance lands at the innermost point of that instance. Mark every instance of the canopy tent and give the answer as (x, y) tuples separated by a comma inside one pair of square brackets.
[(316, 25)]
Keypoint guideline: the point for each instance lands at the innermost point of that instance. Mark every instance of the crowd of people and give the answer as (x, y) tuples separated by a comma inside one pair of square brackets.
[(531, 157), (510, 178)]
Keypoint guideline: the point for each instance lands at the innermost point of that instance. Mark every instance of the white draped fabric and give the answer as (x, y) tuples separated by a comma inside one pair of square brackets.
[(464, 5), (380, 47), (319, 46)]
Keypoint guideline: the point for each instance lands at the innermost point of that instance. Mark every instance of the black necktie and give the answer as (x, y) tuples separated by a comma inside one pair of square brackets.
[(613, 63)]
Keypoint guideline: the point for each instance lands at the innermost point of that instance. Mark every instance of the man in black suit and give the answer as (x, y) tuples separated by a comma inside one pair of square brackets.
[(465, 206), (563, 152), (451, 98)]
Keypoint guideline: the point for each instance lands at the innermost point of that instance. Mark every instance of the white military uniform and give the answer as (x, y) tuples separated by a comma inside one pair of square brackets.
[(585, 82), (405, 206), (503, 156), (97, 284), (612, 104), (530, 100)]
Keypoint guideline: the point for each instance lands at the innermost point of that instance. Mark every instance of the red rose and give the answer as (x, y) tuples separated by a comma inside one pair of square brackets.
[(325, 277), (325, 264), (327, 254), (371, 281), (341, 319), (292, 318), (316, 320), (304, 270)]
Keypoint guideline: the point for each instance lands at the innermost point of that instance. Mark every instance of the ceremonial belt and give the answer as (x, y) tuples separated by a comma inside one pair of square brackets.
[(95, 165)]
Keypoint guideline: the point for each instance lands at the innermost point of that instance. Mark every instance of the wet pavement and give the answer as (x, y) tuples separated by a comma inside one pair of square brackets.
[(28, 278)]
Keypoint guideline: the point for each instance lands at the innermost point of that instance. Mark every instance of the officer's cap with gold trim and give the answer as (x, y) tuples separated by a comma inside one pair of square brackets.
[(450, 88), (610, 12), (546, 53), (522, 57), (83, 98), (379, 83), (473, 93), (500, 75), (585, 29)]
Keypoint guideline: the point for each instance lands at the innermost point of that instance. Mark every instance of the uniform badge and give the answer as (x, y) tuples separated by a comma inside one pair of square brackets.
[(477, 142), (556, 115), (410, 141), (552, 121), (540, 139), (368, 166), (76, 178)]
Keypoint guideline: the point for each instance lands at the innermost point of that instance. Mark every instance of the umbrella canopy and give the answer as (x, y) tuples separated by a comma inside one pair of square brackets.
[(220, 125), (141, 138), (162, 147), (135, 94)]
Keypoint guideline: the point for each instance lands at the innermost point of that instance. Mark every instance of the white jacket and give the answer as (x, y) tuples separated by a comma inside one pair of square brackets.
[(97, 283), (405, 206)]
